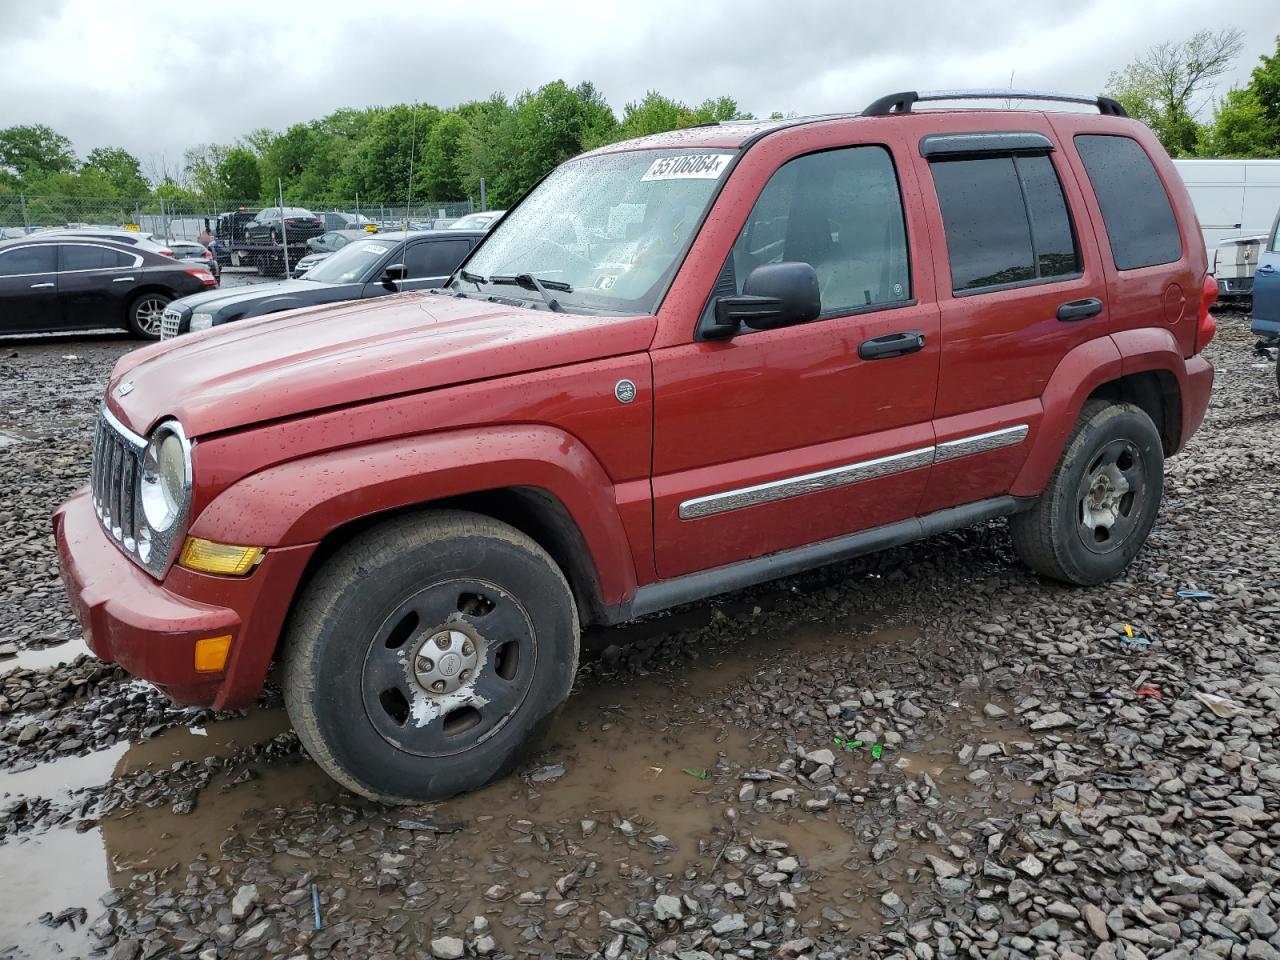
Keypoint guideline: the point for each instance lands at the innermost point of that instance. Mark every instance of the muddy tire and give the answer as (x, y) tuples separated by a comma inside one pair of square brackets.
[(1101, 502), (145, 315), (428, 654)]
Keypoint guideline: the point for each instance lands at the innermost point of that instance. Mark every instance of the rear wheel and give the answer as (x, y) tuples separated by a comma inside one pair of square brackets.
[(427, 655), (1101, 502), (146, 315)]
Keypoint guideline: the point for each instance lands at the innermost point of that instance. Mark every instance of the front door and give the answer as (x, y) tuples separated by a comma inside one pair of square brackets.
[(778, 438), (29, 289)]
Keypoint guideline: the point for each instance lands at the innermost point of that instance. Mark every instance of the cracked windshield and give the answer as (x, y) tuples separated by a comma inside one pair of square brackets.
[(604, 233)]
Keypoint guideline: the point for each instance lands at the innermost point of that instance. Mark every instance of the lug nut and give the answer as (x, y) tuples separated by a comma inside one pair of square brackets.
[(426, 664), (464, 676), (467, 648), (442, 641), (438, 686)]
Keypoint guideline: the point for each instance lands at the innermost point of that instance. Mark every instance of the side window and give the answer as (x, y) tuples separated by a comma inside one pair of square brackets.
[(27, 260), (1135, 208), (84, 257), (841, 212), (1006, 221), (434, 258)]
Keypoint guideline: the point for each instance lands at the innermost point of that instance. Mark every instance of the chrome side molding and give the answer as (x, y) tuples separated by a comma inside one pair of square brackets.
[(842, 476)]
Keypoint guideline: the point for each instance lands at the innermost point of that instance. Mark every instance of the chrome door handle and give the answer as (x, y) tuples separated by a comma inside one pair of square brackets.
[(123, 279), (41, 286)]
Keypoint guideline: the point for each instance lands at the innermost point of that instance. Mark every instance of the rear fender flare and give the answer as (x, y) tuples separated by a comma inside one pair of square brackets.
[(304, 500), (1078, 374)]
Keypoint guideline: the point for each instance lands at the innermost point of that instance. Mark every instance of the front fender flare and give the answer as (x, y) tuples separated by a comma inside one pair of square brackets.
[(304, 500)]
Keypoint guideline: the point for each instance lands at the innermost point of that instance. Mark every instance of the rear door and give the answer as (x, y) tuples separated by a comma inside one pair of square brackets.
[(29, 289), (1266, 287), (96, 284), (431, 261), (1020, 284), (775, 439)]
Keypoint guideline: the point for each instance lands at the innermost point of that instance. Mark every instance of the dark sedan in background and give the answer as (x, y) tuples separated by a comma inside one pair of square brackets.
[(324, 245), (63, 282), (378, 265), (274, 224)]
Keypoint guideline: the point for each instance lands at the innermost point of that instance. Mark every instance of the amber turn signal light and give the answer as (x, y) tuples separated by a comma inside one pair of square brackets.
[(211, 653), (205, 556)]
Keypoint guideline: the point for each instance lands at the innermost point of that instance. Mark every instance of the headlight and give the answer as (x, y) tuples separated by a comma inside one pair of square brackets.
[(201, 321), (165, 485)]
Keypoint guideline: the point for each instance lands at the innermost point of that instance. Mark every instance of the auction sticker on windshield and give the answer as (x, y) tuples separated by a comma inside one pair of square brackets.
[(691, 166)]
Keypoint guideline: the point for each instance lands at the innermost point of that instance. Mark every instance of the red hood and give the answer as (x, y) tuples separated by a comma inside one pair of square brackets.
[(303, 360)]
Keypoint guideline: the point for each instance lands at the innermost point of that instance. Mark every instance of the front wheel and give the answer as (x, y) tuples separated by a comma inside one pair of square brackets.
[(1101, 502), (146, 315), (427, 654)]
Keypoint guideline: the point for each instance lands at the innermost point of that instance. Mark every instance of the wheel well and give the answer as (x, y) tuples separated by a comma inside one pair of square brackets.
[(1156, 393), (532, 511), (141, 292)]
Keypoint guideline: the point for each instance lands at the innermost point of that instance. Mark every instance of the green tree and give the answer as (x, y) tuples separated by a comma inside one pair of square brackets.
[(121, 169), (654, 114), (1161, 86), (719, 109), (379, 167), (238, 175), (1246, 122), (487, 145), (550, 125), (33, 151), (200, 164), (443, 158)]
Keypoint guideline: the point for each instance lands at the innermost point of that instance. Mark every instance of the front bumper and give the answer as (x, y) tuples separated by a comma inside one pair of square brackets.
[(1235, 287), (151, 628)]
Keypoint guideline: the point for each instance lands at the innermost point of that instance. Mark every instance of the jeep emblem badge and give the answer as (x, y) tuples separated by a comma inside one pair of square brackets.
[(124, 389), (625, 391)]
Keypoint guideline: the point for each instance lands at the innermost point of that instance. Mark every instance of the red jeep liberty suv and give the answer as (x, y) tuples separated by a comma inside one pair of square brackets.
[(681, 365)]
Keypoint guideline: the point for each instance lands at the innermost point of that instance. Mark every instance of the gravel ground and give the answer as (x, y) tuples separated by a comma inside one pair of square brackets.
[(921, 754)]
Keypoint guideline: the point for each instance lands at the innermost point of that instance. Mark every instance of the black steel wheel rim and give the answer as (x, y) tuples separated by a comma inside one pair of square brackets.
[(1111, 497), (448, 667)]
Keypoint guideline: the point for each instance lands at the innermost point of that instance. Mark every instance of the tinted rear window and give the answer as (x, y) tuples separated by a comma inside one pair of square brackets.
[(1006, 221), (1139, 219), (84, 257)]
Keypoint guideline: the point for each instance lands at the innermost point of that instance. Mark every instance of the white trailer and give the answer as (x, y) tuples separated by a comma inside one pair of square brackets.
[(1236, 203)]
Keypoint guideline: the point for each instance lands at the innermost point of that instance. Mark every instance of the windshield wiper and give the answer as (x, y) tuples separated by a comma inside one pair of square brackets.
[(527, 281), (470, 277)]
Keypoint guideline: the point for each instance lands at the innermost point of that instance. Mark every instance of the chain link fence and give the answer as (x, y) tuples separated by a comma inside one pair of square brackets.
[(176, 220)]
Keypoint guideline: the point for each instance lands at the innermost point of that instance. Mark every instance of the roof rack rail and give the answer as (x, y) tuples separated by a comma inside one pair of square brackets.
[(901, 102)]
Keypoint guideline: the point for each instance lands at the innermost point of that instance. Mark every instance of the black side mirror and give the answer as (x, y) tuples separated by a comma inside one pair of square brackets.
[(394, 272), (775, 295)]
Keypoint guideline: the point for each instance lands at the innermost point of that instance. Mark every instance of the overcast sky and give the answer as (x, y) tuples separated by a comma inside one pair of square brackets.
[(156, 78)]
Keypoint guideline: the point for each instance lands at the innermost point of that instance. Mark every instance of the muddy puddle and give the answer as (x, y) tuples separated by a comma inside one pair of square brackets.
[(628, 799), (44, 658)]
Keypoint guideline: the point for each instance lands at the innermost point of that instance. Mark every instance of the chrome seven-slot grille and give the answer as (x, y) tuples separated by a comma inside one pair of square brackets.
[(117, 464), (169, 323)]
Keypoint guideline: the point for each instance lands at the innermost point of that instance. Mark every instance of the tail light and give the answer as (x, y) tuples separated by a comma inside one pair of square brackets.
[(204, 276), (165, 252), (1207, 326), (207, 255)]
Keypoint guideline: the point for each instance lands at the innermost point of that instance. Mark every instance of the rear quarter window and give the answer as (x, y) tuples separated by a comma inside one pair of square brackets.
[(1141, 227)]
